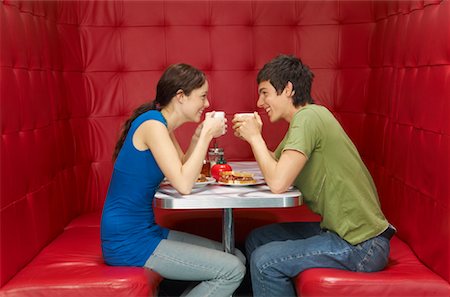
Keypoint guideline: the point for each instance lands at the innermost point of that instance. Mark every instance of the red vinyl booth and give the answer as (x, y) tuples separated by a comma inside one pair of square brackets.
[(72, 72)]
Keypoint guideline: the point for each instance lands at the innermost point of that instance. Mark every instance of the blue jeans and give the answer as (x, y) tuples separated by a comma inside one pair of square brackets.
[(279, 252), (183, 256)]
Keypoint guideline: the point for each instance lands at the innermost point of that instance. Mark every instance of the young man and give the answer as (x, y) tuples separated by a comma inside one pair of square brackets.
[(318, 158)]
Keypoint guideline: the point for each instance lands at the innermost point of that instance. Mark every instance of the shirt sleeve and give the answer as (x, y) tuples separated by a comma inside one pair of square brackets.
[(303, 134)]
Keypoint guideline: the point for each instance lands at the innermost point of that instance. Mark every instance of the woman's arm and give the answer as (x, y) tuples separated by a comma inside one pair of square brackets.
[(177, 146), (181, 175), (193, 143)]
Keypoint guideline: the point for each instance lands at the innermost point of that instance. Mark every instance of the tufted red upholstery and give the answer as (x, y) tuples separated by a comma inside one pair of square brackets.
[(72, 71), (405, 276), (72, 266)]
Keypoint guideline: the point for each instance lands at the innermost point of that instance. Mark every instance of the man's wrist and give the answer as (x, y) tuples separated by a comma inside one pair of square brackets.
[(255, 140)]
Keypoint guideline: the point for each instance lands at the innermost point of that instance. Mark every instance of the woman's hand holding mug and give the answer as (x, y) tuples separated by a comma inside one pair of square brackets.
[(215, 122)]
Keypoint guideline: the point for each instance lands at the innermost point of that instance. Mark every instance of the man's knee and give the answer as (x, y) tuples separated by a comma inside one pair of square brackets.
[(261, 258), (249, 245), (253, 241)]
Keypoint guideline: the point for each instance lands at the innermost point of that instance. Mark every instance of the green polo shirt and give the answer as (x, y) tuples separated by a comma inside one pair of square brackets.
[(334, 182)]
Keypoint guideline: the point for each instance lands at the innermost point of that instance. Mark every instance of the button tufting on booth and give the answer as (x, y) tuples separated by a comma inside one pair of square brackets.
[(73, 71)]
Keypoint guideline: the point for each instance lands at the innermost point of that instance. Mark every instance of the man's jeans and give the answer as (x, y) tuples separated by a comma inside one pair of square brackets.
[(184, 256), (278, 252)]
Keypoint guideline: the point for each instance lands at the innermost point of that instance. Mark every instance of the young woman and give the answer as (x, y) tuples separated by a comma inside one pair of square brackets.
[(145, 153)]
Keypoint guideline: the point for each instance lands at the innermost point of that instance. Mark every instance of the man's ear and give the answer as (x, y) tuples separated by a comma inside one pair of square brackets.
[(289, 89)]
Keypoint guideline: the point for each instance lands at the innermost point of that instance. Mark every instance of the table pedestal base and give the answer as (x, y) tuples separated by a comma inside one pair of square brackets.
[(228, 231)]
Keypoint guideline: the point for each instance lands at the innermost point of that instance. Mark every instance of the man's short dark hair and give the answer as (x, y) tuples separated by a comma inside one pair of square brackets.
[(283, 69)]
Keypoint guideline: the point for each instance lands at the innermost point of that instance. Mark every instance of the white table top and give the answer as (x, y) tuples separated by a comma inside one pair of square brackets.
[(214, 196)]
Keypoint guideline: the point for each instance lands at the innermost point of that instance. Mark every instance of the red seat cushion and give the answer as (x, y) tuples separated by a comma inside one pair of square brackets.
[(72, 265), (405, 276)]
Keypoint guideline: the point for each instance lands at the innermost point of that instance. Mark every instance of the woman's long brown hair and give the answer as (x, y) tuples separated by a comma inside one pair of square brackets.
[(177, 77)]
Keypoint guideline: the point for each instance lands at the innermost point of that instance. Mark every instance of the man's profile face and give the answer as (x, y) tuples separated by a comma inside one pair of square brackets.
[(270, 101)]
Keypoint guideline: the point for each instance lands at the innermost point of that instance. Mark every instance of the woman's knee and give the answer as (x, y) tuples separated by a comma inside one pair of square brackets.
[(236, 269), (241, 256)]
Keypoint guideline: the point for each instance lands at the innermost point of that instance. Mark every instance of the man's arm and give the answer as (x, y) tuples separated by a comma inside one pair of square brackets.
[(279, 175)]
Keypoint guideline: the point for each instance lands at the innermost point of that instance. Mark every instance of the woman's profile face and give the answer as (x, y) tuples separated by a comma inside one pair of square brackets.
[(197, 103)]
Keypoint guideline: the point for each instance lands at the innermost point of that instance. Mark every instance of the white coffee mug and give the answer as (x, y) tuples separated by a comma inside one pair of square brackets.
[(244, 115), (220, 115)]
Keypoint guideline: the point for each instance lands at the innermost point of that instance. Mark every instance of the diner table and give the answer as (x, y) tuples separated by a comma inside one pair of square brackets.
[(212, 195)]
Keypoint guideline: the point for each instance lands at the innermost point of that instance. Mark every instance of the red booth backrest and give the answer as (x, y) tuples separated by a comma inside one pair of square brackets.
[(72, 71)]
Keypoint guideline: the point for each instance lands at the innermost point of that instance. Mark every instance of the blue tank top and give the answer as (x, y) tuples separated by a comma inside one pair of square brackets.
[(129, 232)]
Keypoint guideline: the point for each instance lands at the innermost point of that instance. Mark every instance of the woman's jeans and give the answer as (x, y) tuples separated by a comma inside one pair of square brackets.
[(184, 256), (278, 252)]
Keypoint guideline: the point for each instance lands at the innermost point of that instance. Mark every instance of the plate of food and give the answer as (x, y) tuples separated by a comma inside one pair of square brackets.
[(239, 179), (201, 181)]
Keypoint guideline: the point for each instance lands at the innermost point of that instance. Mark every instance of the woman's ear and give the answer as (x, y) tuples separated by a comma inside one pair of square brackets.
[(180, 96)]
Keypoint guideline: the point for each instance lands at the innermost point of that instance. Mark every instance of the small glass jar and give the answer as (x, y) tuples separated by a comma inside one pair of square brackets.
[(214, 154), (206, 168)]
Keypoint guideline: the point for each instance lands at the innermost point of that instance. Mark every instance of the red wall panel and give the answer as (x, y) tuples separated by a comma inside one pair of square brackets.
[(72, 72), (409, 78)]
